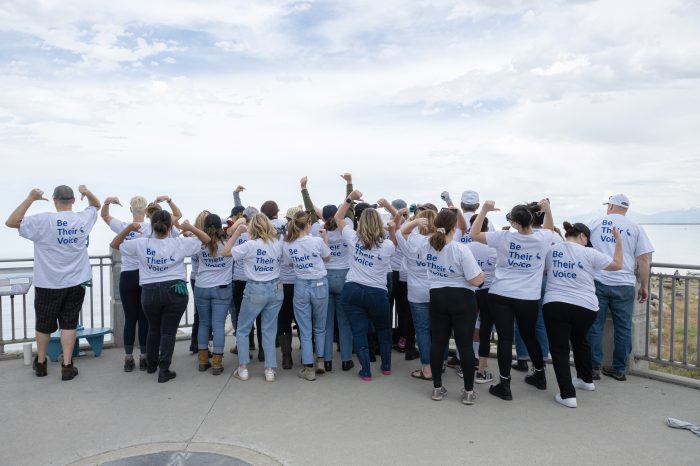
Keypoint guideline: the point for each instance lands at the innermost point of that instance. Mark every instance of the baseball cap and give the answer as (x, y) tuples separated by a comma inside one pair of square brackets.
[(619, 200), (63, 193), (470, 197), (292, 210), (582, 228), (249, 212), (237, 210), (329, 211), (399, 204)]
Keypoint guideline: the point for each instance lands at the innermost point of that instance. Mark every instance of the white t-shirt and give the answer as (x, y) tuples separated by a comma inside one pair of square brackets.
[(194, 266), (396, 258), (634, 244), (451, 267), (131, 262), (464, 237), (161, 260), (306, 256), (368, 267), (213, 271), (486, 258), (261, 260), (520, 262), (570, 271), (238, 269), (340, 252), (416, 268), (60, 246)]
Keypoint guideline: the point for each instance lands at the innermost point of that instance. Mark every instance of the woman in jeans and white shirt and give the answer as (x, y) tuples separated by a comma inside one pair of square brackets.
[(365, 296), (517, 289), (260, 257), (307, 255), (570, 305), (162, 278)]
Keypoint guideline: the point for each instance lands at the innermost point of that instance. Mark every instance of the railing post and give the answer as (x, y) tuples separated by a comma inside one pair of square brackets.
[(115, 304), (639, 334)]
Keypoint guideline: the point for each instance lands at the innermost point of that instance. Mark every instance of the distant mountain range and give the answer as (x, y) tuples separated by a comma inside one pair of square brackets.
[(669, 216)]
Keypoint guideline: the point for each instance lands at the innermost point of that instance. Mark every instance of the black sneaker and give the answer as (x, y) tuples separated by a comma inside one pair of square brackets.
[(166, 375), (520, 365), (537, 379), (610, 372), (595, 373), (143, 365), (68, 372), (39, 367), (347, 365), (129, 364), (410, 355), (151, 367), (453, 361), (502, 390)]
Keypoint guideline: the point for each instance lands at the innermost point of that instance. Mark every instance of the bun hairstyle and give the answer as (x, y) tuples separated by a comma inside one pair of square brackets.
[(521, 215), (484, 226), (161, 223), (538, 215), (270, 209), (444, 224), (138, 205), (260, 227), (152, 208), (430, 215), (212, 227), (297, 225), (370, 228), (573, 230)]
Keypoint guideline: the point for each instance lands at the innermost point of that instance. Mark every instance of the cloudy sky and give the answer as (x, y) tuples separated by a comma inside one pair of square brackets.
[(573, 100)]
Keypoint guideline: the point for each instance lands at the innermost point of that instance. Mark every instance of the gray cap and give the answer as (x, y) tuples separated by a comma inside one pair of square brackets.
[(249, 212), (63, 193), (399, 204)]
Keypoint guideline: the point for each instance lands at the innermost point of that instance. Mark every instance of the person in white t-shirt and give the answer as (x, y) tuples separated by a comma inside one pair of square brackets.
[(129, 288), (286, 314), (616, 290), (365, 292), (260, 258), (516, 291), (307, 255), (570, 305), (213, 294), (162, 276), (61, 268)]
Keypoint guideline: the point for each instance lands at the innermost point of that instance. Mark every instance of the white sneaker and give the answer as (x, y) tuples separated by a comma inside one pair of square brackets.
[(270, 375), (241, 374), (581, 385), (568, 402)]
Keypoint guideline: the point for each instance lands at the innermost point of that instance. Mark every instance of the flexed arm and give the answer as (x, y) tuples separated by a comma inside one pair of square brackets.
[(15, 218)]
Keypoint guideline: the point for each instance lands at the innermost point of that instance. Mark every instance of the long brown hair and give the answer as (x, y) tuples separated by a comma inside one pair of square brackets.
[(429, 215), (370, 229), (297, 225), (444, 224), (212, 227), (260, 227)]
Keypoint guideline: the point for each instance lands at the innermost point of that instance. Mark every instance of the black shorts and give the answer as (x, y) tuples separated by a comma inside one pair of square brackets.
[(56, 308)]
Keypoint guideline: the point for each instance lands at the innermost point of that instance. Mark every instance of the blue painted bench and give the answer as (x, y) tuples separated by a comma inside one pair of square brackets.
[(94, 336)]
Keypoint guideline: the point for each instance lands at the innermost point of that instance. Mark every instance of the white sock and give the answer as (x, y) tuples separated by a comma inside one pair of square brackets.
[(475, 345)]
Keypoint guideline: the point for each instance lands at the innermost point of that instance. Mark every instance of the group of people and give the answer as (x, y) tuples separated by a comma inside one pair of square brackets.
[(337, 272)]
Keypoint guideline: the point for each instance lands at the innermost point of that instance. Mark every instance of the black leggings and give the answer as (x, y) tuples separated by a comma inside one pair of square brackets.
[(503, 310), (568, 322), (399, 292), (164, 309), (130, 294), (452, 309), (286, 315), (485, 322)]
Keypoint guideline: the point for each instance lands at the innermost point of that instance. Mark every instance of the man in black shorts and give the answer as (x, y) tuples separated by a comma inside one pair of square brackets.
[(61, 268)]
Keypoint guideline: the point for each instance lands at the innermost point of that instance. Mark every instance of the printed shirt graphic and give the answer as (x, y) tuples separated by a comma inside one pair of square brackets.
[(464, 237), (213, 271), (131, 262), (520, 262), (60, 246), (261, 260), (368, 267), (451, 267), (306, 257), (570, 271), (238, 269), (161, 260), (486, 258), (340, 251), (416, 267), (634, 242)]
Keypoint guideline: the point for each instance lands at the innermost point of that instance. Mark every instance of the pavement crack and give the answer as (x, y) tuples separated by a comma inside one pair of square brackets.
[(201, 423)]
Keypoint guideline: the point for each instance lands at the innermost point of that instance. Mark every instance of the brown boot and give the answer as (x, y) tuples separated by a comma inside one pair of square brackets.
[(203, 360), (216, 366)]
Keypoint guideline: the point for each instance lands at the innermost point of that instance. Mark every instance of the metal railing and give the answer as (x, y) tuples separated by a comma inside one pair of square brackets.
[(673, 316)]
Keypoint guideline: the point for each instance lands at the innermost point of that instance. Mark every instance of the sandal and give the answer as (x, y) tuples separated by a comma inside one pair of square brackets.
[(418, 374)]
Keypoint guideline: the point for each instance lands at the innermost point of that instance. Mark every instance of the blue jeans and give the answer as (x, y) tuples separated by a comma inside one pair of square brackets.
[(364, 305), (620, 301), (260, 298), (212, 306), (310, 308), (421, 321), (540, 333), (336, 281)]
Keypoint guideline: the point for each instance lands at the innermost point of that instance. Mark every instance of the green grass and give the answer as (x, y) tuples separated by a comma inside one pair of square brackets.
[(688, 373)]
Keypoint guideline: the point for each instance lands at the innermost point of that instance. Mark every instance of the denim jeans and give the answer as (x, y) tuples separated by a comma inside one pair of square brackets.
[(310, 309), (620, 301), (265, 299), (421, 321), (540, 333), (336, 281), (364, 305), (213, 307), (164, 309)]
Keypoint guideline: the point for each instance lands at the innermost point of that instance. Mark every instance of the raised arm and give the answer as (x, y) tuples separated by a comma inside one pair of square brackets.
[(391, 226), (240, 229), (237, 196), (121, 236), (548, 222), (348, 189), (308, 205), (445, 196), (475, 233), (343, 209), (15, 218), (387, 205), (411, 225), (177, 215), (186, 226), (92, 199), (644, 264), (618, 258), (104, 213), (461, 221)]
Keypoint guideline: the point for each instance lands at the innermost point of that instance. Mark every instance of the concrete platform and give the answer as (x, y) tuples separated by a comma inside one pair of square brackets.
[(106, 414)]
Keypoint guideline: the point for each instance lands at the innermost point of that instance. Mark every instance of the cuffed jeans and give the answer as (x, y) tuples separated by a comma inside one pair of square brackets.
[(310, 308), (336, 281), (164, 309), (620, 301), (264, 299), (421, 322), (213, 306)]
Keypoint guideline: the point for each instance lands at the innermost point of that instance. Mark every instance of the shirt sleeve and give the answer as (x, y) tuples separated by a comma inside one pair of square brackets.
[(241, 251), (89, 216), (643, 245), (190, 245), (349, 234), (497, 239), (116, 225), (599, 261), (324, 249), (130, 247), (388, 248), (469, 265), (30, 227)]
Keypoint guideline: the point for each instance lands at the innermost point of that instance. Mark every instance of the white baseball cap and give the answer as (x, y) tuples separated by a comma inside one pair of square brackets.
[(470, 197), (619, 200)]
